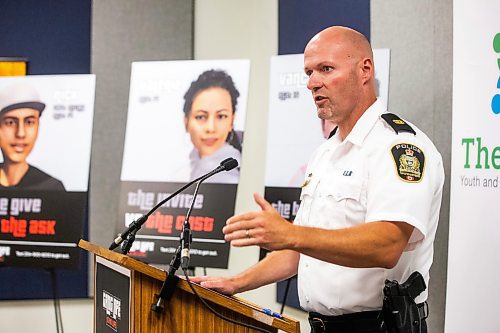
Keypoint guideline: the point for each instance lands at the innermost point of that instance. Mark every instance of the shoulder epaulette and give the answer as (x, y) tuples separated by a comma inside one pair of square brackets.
[(397, 124)]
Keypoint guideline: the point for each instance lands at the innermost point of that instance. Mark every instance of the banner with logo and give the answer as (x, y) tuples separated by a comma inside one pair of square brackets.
[(45, 141), (294, 131), (184, 118), (475, 169)]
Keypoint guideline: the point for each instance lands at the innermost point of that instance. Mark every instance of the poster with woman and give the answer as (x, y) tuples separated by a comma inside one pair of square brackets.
[(184, 119), (45, 141)]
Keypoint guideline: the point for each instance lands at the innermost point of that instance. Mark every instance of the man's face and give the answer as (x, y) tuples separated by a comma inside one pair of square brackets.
[(18, 133), (210, 120), (333, 79)]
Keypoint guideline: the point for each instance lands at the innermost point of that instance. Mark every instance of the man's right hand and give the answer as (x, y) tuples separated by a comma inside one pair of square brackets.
[(223, 285)]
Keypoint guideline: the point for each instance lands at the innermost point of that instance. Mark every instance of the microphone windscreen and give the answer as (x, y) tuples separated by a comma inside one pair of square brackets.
[(229, 164), (225, 161)]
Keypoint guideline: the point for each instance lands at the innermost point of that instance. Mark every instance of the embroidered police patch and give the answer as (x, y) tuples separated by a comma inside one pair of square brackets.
[(410, 162)]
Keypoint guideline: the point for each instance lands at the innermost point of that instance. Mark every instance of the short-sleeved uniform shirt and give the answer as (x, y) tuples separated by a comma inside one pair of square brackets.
[(374, 174)]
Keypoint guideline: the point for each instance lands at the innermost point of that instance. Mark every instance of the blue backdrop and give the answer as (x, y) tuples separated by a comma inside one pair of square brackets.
[(55, 38)]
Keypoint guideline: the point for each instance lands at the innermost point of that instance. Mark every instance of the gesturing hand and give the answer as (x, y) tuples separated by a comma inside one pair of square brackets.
[(265, 228)]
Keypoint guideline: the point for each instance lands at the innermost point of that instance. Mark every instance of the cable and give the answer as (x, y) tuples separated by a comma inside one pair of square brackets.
[(57, 304), (285, 296), (218, 314)]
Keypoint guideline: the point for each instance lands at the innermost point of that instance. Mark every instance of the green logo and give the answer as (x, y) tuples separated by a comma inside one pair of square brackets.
[(495, 101)]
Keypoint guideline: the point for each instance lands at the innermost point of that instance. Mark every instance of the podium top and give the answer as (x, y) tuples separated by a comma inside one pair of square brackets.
[(244, 307)]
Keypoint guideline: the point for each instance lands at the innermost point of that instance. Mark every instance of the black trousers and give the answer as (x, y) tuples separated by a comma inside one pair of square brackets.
[(360, 322)]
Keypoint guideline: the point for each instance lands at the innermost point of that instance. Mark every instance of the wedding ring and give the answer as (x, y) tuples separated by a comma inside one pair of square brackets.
[(247, 234)]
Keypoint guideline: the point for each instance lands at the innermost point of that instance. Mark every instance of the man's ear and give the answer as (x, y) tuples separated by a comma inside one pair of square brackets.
[(367, 70), (186, 123)]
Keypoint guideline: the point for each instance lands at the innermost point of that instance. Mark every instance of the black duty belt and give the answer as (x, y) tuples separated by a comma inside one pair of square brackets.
[(359, 322)]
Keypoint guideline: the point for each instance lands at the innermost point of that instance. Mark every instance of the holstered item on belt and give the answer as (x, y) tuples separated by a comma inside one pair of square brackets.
[(401, 313)]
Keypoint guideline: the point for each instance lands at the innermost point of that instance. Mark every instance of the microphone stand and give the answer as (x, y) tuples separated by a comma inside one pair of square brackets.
[(168, 287), (186, 236), (181, 256), (129, 240)]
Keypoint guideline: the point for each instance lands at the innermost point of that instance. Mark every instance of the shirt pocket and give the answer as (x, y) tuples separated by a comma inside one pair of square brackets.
[(343, 199), (306, 199)]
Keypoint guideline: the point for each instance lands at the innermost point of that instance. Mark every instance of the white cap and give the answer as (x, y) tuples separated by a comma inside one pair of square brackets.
[(20, 95)]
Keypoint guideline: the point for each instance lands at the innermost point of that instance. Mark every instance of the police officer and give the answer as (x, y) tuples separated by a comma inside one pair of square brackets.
[(369, 204)]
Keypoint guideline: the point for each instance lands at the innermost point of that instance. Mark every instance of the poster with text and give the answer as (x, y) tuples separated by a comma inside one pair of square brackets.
[(184, 119), (45, 143), (473, 247)]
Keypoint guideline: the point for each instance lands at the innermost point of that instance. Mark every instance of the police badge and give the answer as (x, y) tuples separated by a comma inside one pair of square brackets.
[(410, 162)]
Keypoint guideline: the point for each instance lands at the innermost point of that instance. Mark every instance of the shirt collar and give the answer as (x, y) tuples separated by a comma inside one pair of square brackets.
[(365, 123)]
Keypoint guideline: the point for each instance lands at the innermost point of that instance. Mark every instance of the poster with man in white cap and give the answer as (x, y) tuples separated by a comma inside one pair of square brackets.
[(20, 112), (45, 140)]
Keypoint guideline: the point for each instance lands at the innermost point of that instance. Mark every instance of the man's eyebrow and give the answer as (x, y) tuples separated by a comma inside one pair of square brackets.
[(319, 65), (325, 63)]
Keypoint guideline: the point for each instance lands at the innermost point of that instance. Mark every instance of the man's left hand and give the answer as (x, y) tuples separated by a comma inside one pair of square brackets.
[(265, 228)]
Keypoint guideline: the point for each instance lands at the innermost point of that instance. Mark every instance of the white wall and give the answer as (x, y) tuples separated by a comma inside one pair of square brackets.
[(38, 316)]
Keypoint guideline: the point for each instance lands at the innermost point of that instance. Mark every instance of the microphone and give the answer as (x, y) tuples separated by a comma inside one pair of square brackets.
[(229, 164), (186, 236), (182, 255), (225, 165)]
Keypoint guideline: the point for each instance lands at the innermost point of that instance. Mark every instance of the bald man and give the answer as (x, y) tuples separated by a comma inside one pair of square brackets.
[(369, 204)]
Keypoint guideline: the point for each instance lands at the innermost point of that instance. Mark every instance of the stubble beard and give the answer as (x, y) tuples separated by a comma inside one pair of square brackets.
[(325, 113)]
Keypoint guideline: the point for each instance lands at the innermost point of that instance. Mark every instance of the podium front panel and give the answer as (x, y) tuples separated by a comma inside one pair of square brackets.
[(112, 301)]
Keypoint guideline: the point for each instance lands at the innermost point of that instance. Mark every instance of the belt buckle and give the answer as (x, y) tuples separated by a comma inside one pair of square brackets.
[(317, 321)]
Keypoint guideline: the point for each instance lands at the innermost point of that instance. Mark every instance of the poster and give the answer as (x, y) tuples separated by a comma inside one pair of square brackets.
[(184, 118), (45, 141), (475, 169)]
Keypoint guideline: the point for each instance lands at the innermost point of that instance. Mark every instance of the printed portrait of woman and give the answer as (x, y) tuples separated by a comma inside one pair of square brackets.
[(210, 104)]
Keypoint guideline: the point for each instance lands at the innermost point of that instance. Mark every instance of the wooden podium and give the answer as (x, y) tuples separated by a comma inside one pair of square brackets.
[(129, 309)]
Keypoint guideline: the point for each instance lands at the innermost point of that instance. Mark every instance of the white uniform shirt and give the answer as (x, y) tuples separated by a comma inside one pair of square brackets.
[(358, 181)]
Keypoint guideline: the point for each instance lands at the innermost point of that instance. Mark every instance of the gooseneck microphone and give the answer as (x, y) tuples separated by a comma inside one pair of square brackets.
[(186, 237), (225, 165), (182, 255)]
